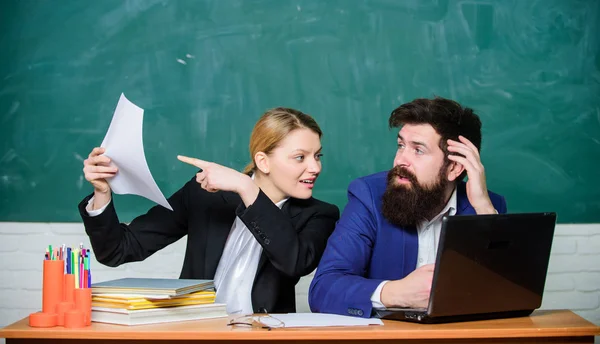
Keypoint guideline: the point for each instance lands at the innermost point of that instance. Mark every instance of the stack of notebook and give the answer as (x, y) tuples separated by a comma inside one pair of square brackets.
[(137, 301)]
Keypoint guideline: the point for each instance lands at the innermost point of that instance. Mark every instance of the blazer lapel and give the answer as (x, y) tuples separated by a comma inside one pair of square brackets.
[(463, 206), (292, 210)]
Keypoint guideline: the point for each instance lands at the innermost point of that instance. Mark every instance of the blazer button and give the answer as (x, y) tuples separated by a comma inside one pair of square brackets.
[(350, 311), (360, 312), (267, 241)]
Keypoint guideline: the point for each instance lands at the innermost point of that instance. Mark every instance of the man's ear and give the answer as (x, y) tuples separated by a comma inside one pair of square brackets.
[(262, 162), (455, 169)]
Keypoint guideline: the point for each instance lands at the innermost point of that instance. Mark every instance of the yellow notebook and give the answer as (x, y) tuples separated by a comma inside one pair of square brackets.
[(149, 305), (139, 302)]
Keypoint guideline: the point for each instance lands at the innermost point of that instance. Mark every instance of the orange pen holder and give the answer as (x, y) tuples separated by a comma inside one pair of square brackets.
[(61, 309), (62, 303), (52, 294), (83, 303), (69, 288), (53, 284), (74, 319)]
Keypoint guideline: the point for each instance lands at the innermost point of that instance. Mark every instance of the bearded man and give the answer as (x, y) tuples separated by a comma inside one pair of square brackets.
[(382, 250)]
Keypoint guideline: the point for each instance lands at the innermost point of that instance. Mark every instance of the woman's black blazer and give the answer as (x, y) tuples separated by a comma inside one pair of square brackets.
[(293, 238)]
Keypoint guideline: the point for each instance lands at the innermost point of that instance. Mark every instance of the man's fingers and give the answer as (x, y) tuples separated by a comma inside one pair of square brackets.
[(463, 161), (464, 144), (466, 151), (193, 161), (468, 143), (428, 267)]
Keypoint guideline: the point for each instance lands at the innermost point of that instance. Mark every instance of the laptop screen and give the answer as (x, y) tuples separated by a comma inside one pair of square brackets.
[(491, 263)]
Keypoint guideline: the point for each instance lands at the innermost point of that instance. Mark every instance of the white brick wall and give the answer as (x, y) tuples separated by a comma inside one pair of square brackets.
[(574, 271), (573, 279)]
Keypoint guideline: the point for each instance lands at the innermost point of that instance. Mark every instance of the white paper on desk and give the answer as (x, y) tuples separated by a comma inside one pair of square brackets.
[(317, 320), (123, 144)]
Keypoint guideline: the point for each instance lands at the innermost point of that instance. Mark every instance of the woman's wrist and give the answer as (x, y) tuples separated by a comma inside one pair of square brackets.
[(248, 190)]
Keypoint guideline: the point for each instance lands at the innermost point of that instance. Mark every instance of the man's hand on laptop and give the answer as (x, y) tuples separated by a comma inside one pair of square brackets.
[(412, 291)]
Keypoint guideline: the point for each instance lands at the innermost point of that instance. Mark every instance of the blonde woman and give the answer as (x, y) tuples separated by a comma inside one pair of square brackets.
[(255, 233)]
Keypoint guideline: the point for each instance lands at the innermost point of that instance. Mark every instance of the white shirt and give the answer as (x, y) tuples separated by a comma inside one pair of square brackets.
[(428, 233), (95, 212), (237, 267)]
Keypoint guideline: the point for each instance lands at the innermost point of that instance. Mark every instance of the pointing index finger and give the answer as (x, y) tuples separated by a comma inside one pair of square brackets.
[(193, 161)]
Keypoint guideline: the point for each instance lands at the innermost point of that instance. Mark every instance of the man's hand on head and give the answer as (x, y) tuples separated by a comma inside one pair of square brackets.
[(476, 184)]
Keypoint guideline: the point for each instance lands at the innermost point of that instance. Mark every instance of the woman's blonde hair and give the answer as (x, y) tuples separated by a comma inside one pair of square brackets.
[(272, 127)]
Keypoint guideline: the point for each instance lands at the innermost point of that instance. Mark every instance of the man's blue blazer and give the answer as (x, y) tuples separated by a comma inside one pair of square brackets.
[(365, 249)]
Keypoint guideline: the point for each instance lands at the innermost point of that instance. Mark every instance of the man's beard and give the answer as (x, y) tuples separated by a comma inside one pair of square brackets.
[(409, 204)]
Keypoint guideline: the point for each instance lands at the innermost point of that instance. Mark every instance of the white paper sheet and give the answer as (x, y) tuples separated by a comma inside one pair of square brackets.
[(316, 320), (123, 144)]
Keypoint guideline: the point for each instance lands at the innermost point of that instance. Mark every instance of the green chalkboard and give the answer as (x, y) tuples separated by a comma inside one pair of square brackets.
[(206, 70)]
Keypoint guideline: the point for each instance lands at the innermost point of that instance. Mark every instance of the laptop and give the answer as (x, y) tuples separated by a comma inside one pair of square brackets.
[(487, 267)]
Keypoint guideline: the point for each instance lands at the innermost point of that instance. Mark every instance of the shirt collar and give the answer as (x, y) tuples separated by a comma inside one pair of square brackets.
[(280, 203), (451, 205), (449, 209)]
